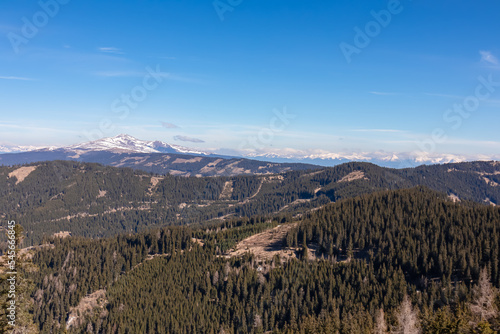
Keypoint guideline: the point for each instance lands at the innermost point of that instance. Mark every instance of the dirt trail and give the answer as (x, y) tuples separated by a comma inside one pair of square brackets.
[(297, 201), (256, 193)]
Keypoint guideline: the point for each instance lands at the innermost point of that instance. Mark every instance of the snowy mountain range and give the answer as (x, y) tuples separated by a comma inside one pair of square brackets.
[(124, 143), (17, 149), (127, 144), (383, 159)]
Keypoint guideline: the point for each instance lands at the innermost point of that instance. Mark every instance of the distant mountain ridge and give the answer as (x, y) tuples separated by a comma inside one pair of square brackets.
[(152, 156), (126, 144), (380, 158)]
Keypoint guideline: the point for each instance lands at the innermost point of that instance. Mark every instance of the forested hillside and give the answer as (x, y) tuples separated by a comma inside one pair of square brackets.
[(159, 163), (96, 201), (354, 258)]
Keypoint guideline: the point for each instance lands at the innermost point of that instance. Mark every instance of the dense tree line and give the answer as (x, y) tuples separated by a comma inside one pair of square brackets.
[(372, 251), (71, 268), (202, 293), (423, 232)]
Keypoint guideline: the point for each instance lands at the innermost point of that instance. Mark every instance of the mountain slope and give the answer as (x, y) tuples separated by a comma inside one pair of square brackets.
[(94, 200), (367, 253), (161, 163)]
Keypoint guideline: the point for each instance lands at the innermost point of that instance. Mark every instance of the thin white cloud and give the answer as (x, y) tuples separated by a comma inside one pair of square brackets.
[(190, 139), (379, 130), (472, 142), (384, 93), (112, 74), (111, 49), (445, 95), (16, 78), (6, 28), (169, 125), (164, 75), (494, 103), (34, 128), (68, 57), (488, 57)]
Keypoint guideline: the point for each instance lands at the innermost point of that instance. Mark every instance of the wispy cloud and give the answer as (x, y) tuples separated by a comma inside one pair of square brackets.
[(445, 95), (473, 142), (384, 93), (140, 74), (65, 55), (16, 78), (111, 49), (379, 130), (32, 128), (169, 125), (190, 139), (494, 103), (4, 28), (488, 57), (113, 74)]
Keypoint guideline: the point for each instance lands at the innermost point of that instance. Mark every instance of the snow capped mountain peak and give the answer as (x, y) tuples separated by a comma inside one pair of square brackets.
[(125, 136), (124, 143), (120, 143)]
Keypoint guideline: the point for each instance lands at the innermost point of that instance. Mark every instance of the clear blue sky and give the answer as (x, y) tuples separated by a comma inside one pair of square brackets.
[(223, 71)]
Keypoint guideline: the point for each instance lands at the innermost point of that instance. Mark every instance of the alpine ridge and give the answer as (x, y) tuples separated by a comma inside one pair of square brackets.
[(127, 144), (124, 143)]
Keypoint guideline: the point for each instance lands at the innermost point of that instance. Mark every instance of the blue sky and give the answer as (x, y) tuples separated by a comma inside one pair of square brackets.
[(225, 69)]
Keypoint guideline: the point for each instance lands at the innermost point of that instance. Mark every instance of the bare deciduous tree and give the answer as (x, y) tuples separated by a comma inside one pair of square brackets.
[(380, 324), (483, 306), (257, 321), (408, 322), (215, 278)]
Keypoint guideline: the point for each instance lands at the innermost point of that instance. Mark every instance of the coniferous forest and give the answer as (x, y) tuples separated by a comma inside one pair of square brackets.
[(92, 200), (249, 167), (372, 255)]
